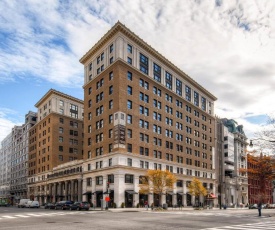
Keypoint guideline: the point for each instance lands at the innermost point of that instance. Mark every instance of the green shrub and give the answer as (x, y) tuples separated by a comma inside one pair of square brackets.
[(122, 205), (114, 205), (138, 205)]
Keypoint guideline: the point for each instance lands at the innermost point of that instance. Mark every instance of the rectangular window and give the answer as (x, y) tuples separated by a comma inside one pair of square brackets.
[(143, 63), (196, 98), (178, 87), (129, 90), (157, 72), (129, 119), (129, 76), (187, 93), (168, 80), (129, 148), (99, 180), (111, 48), (203, 103), (129, 48), (129, 178), (129, 104), (129, 60)]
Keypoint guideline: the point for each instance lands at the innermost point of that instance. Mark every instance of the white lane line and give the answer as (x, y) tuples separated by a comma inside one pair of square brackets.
[(9, 217), (30, 214), (22, 216)]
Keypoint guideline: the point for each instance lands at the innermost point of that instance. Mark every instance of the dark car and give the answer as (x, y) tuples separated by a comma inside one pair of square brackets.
[(80, 206), (63, 204), (49, 206)]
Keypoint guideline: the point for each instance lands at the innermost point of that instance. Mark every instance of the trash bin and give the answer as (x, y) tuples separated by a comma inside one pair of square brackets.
[(164, 206), (224, 207)]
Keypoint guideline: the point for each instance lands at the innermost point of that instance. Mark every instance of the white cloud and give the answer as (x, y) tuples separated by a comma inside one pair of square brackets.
[(6, 123), (226, 46)]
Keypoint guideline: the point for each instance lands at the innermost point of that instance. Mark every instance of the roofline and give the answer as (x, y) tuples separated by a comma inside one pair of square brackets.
[(53, 91), (119, 27)]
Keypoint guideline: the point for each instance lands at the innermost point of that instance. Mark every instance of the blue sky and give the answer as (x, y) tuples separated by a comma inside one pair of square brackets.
[(225, 45)]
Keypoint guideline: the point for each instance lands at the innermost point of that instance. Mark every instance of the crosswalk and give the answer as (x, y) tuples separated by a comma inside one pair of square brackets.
[(254, 226), (238, 216), (38, 214)]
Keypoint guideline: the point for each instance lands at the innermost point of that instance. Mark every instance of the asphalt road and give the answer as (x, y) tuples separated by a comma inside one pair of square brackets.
[(119, 219)]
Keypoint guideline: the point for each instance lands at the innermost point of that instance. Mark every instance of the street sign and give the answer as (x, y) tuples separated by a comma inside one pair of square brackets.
[(107, 198)]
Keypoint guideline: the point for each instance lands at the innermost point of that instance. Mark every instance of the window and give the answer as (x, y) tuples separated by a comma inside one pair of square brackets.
[(60, 157), (178, 87), (203, 103), (60, 130), (111, 76), (110, 162), (129, 133), (157, 72), (129, 178), (129, 119), (60, 148), (187, 93), (110, 118), (110, 90), (129, 49), (111, 104), (196, 98), (102, 56), (129, 161), (61, 103), (129, 148), (110, 148), (143, 63), (111, 48), (129, 104), (61, 120), (129, 76), (90, 66), (129, 90), (111, 178), (129, 60), (168, 80), (99, 180), (143, 84), (60, 139)]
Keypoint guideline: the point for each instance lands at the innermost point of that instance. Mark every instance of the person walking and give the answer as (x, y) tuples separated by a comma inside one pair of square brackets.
[(260, 208), (146, 205)]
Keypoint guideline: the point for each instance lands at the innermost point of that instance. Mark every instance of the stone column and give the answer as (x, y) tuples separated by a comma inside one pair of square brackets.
[(54, 192), (136, 189), (79, 187), (72, 190), (119, 189), (184, 202), (60, 191), (66, 190), (93, 190), (150, 199), (84, 189)]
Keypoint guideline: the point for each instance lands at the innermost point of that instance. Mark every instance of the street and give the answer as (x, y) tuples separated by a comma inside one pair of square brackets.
[(23, 218)]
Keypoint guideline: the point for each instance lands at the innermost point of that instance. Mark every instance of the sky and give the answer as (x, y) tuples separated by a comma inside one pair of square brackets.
[(227, 46)]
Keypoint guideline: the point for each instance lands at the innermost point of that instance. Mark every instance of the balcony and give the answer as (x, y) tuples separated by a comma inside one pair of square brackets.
[(229, 167)]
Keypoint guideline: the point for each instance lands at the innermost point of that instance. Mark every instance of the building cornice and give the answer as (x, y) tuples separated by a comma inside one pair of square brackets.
[(119, 27), (55, 92)]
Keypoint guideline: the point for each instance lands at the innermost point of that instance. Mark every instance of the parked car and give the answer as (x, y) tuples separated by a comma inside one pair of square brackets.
[(22, 203), (252, 206), (63, 204), (32, 204), (49, 206), (80, 205), (4, 203)]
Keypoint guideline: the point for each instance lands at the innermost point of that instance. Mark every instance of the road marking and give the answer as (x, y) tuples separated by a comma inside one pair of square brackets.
[(9, 217), (260, 225), (30, 214), (21, 216)]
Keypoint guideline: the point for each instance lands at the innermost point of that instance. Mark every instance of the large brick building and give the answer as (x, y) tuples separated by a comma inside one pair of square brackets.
[(142, 112), (54, 140)]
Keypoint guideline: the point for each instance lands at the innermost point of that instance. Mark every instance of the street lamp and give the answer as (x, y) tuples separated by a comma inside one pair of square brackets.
[(251, 141)]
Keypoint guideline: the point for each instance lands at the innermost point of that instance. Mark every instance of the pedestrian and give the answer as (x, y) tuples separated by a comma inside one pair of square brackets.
[(146, 205), (260, 208)]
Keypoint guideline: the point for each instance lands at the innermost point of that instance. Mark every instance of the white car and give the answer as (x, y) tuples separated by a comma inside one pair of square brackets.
[(32, 204), (23, 203)]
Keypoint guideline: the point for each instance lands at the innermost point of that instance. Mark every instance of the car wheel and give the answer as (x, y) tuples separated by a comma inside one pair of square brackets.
[(55, 208), (78, 209)]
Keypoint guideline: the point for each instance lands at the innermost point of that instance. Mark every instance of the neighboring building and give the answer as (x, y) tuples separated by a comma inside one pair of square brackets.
[(142, 112), (231, 159), (19, 157), (55, 139), (255, 193), (5, 167)]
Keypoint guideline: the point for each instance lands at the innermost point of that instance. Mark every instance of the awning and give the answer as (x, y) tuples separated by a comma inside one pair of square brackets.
[(87, 193), (97, 192), (131, 192), (180, 193)]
